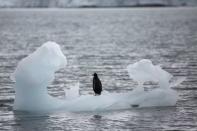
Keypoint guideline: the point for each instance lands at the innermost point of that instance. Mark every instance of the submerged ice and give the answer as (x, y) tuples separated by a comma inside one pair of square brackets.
[(35, 72)]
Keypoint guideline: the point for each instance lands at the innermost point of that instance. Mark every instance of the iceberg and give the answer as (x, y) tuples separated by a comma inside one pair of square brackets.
[(33, 74), (36, 71)]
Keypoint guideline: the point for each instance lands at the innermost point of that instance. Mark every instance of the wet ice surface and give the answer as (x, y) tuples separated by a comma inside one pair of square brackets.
[(36, 71), (105, 41)]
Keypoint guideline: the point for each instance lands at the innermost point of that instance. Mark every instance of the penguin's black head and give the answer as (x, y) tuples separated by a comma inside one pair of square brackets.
[(95, 75)]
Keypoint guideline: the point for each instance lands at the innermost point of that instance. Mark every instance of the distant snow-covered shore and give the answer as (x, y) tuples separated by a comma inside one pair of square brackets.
[(93, 3)]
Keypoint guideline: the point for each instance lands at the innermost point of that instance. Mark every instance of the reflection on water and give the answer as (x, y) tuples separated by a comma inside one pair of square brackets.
[(27, 121), (103, 41)]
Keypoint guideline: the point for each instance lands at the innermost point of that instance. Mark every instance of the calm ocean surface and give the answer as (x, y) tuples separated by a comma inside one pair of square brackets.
[(103, 41)]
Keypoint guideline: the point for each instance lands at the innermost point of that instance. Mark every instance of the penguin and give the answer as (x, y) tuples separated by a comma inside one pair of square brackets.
[(97, 86)]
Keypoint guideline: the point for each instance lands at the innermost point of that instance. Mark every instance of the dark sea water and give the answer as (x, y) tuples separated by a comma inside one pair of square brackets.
[(103, 41)]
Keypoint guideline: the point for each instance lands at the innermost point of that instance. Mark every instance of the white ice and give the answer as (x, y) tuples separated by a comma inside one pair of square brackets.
[(35, 72)]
